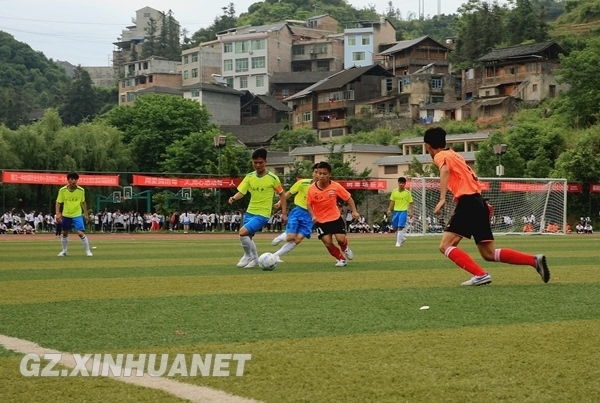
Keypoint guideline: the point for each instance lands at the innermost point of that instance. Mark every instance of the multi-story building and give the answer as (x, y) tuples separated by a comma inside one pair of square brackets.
[(316, 45), (259, 109), (525, 72), (201, 63), (407, 57), (147, 73), (132, 37), (223, 103), (363, 41), (326, 105), (283, 85), (250, 55)]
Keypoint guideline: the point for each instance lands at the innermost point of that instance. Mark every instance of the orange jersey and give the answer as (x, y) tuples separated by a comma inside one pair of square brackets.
[(463, 180), (323, 202)]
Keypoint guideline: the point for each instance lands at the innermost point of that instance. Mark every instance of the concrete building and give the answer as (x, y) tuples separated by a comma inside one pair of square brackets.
[(260, 109), (102, 76), (143, 74), (363, 41), (201, 64), (221, 102), (130, 41), (435, 112)]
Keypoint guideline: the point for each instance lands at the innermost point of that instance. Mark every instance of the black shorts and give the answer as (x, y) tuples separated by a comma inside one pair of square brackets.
[(331, 227), (471, 218)]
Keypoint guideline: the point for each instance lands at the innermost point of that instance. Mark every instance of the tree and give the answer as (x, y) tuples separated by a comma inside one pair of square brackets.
[(287, 140), (525, 23), (582, 101), (154, 122), (151, 41), (80, 101)]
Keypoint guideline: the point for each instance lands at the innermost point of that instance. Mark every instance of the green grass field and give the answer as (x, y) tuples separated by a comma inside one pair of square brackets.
[(317, 333)]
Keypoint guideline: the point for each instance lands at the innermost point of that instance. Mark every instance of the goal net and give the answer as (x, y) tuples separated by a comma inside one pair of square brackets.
[(521, 205)]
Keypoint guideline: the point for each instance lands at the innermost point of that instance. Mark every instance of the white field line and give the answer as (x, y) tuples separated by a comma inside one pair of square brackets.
[(190, 392)]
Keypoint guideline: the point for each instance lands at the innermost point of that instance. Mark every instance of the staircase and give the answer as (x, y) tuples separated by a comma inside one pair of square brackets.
[(517, 93)]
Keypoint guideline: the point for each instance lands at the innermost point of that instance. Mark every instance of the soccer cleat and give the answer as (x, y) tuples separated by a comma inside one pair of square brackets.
[(244, 261), (349, 254), (89, 254), (398, 245), (279, 259), (252, 263), (62, 253), (341, 263), (542, 267), (278, 239), (479, 280)]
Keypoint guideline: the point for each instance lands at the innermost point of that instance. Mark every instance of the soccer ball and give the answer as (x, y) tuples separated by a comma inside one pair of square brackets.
[(267, 261)]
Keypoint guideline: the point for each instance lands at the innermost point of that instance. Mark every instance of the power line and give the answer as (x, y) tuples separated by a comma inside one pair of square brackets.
[(74, 38), (85, 23)]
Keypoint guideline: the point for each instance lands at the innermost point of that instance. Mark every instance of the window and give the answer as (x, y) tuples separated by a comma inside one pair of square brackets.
[(260, 81), (298, 50), (227, 47), (388, 84), (531, 67), (123, 98), (228, 65), (195, 94), (487, 93), (366, 39), (351, 40), (534, 88), (323, 65), (436, 83), (186, 74), (130, 97), (243, 82), (297, 118), (307, 116), (229, 82), (390, 169), (194, 73), (186, 59), (194, 57), (131, 82), (241, 65), (356, 56), (350, 95), (258, 62), (321, 48), (325, 134), (150, 77), (509, 70), (430, 113), (258, 44), (146, 15), (123, 84), (285, 92), (242, 47), (552, 91), (337, 132), (437, 100), (406, 81), (145, 65)]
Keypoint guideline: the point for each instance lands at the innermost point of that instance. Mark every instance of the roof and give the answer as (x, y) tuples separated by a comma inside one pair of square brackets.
[(378, 100), (274, 103), (209, 87), (254, 134), (342, 78), (447, 106), (422, 158), (492, 101), (360, 148), (399, 46), (276, 26), (449, 138), (280, 158), (518, 51), (304, 77), (157, 89)]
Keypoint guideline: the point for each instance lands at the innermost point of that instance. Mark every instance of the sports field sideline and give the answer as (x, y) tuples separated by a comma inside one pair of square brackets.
[(315, 332)]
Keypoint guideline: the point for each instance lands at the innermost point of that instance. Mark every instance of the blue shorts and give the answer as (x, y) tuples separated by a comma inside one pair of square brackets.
[(254, 223), (75, 222), (399, 219), (299, 222)]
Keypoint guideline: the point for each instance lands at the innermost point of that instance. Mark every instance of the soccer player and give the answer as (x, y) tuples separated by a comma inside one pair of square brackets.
[(322, 206), (262, 185), (401, 201), (71, 200), (471, 215), (300, 224)]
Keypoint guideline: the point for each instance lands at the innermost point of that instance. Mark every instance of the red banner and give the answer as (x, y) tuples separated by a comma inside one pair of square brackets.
[(160, 181), (529, 187), (42, 178), (363, 185), (435, 185), (574, 188), (595, 188)]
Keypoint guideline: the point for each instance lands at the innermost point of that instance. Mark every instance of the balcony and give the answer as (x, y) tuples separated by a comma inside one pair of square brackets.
[(332, 124), (327, 106)]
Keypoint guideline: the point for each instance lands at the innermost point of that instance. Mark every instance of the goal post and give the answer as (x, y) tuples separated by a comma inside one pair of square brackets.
[(521, 206)]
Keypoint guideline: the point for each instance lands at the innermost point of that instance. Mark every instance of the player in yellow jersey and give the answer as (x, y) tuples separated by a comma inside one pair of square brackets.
[(74, 212), (402, 202), (262, 186), (300, 222)]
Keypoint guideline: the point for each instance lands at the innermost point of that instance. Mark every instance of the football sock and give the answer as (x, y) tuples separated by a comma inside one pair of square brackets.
[(335, 252), (398, 237), (86, 244), (286, 248), (343, 245), (464, 261), (512, 256), (402, 237), (246, 245), (281, 237), (253, 250), (65, 243)]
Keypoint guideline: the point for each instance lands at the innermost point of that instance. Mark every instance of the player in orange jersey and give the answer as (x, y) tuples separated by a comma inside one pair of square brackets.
[(471, 215), (322, 206)]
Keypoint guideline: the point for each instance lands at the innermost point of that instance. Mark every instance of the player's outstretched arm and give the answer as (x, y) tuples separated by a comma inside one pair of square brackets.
[(352, 206), (283, 205), (235, 197)]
